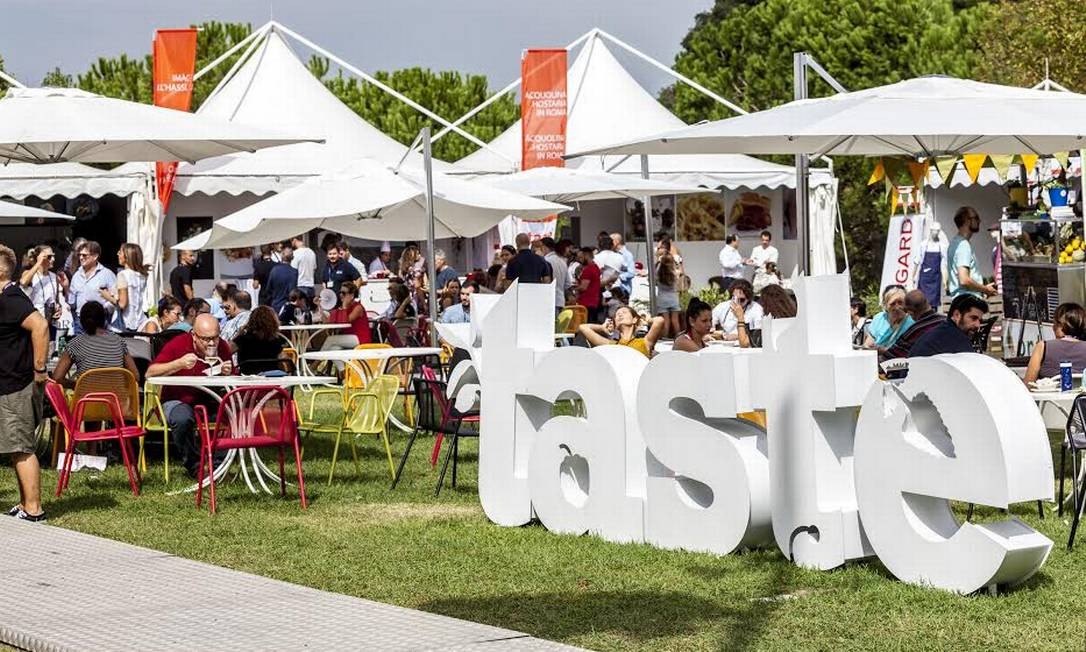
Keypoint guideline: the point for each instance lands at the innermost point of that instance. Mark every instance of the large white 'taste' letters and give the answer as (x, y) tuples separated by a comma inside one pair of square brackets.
[(951, 431), (656, 451)]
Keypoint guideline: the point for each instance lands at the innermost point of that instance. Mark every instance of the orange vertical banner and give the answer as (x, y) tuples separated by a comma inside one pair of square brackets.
[(174, 56), (543, 109)]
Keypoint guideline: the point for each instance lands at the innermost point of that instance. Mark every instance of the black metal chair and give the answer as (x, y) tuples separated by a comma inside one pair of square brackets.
[(1074, 441), (980, 340), (438, 415)]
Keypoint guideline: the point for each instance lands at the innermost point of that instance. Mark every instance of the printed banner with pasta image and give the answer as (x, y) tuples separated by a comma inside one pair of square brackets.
[(543, 109), (174, 63)]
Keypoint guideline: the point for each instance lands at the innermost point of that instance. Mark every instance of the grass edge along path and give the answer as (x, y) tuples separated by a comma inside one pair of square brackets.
[(442, 555)]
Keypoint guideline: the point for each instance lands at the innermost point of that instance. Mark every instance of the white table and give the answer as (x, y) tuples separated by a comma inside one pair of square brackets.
[(208, 385), (356, 357), (300, 335)]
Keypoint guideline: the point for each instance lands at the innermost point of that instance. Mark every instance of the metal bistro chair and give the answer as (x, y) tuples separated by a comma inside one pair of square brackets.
[(99, 404), (1074, 442), (366, 413), (436, 414), (249, 417)]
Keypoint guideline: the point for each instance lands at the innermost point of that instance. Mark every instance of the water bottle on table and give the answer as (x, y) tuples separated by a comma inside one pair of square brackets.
[(1065, 376)]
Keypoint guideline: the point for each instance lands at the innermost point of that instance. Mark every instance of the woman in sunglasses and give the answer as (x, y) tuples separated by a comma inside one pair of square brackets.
[(350, 311), (41, 283)]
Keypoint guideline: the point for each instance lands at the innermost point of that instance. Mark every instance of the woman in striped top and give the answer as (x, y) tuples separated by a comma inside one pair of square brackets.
[(96, 348)]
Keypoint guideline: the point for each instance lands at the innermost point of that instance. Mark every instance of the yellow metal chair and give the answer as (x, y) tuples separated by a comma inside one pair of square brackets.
[(352, 384), (561, 325), (371, 368), (154, 420), (367, 414), (580, 316)]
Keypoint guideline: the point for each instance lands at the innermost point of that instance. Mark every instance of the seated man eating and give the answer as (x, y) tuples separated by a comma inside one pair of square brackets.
[(190, 355), (955, 333)]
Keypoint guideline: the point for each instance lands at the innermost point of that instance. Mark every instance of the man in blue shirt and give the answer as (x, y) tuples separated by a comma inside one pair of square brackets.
[(282, 279), (337, 271), (460, 313), (963, 276), (89, 281), (955, 334)]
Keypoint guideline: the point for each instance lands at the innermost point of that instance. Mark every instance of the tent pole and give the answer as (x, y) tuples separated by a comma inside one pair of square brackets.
[(799, 72), (650, 267), (427, 163), (226, 55), (11, 80)]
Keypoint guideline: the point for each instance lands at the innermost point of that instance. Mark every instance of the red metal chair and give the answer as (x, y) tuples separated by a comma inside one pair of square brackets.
[(249, 417), (448, 412), (72, 423)]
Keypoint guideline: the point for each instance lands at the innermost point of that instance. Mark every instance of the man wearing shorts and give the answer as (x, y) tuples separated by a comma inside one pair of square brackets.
[(24, 338)]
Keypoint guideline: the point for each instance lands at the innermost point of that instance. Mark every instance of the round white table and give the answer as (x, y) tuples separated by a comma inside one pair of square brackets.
[(208, 385), (355, 358)]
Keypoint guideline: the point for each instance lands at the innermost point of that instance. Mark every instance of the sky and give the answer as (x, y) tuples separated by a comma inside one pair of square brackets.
[(477, 36)]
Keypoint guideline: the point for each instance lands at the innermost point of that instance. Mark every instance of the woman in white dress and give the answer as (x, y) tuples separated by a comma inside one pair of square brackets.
[(131, 283)]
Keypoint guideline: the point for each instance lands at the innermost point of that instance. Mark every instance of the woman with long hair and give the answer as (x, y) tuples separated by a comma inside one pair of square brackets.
[(413, 272), (350, 311), (1069, 345), (450, 295), (131, 283), (667, 294), (622, 330), (259, 346), (42, 284), (777, 303)]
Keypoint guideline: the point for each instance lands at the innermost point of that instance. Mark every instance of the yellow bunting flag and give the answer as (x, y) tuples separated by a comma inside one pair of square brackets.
[(945, 166), (893, 201), (878, 174), (973, 164), (1029, 161), (918, 170)]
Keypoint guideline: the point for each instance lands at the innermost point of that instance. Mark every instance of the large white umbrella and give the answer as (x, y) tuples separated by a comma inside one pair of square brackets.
[(927, 116), (373, 201), (49, 125), (579, 184), (12, 214)]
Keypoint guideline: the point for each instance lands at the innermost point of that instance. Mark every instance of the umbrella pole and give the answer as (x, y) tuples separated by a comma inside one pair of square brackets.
[(799, 71), (650, 267), (427, 162)]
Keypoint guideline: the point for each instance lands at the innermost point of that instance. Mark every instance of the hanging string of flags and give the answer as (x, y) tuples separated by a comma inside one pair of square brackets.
[(896, 173)]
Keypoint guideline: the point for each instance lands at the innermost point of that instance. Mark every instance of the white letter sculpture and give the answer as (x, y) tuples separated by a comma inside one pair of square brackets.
[(810, 381), (961, 427), (708, 489)]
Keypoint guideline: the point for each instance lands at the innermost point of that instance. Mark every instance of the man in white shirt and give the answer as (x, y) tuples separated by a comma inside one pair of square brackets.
[(91, 282), (609, 261), (763, 253), (305, 261), (731, 261), (559, 271), (724, 317)]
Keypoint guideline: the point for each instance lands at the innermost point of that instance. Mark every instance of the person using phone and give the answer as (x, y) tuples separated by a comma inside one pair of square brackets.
[(739, 311), (201, 352)]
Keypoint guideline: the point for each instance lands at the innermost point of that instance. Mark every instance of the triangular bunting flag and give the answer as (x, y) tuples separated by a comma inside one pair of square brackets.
[(878, 174), (1030, 162), (973, 164), (945, 166), (918, 170), (893, 201)]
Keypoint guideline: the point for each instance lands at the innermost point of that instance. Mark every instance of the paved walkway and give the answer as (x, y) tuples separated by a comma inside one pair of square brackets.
[(63, 590)]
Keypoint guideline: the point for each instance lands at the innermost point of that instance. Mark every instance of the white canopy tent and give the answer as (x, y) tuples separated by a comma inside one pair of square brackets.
[(371, 200), (22, 180), (582, 184), (16, 214), (53, 125), (922, 117), (607, 104)]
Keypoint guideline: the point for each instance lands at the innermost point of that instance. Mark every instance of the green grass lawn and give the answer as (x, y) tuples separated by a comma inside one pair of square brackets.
[(442, 555)]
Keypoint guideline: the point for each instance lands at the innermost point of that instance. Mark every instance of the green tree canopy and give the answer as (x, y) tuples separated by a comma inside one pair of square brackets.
[(448, 94), (747, 56), (1014, 43)]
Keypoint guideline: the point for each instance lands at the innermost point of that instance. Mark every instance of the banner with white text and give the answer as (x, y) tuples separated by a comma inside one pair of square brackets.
[(174, 63), (543, 109)]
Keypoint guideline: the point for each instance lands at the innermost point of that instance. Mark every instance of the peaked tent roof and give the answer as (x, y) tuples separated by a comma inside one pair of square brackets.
[(273, 88), (607, 105)]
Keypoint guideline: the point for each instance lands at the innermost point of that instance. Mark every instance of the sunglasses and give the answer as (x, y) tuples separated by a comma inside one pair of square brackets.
[(85, 255), (208, 338)]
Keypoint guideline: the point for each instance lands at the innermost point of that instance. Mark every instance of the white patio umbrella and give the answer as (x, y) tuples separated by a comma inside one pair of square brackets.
[(923, 117), (578, 184), (49, 125), (373, 201), (12, 214)]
